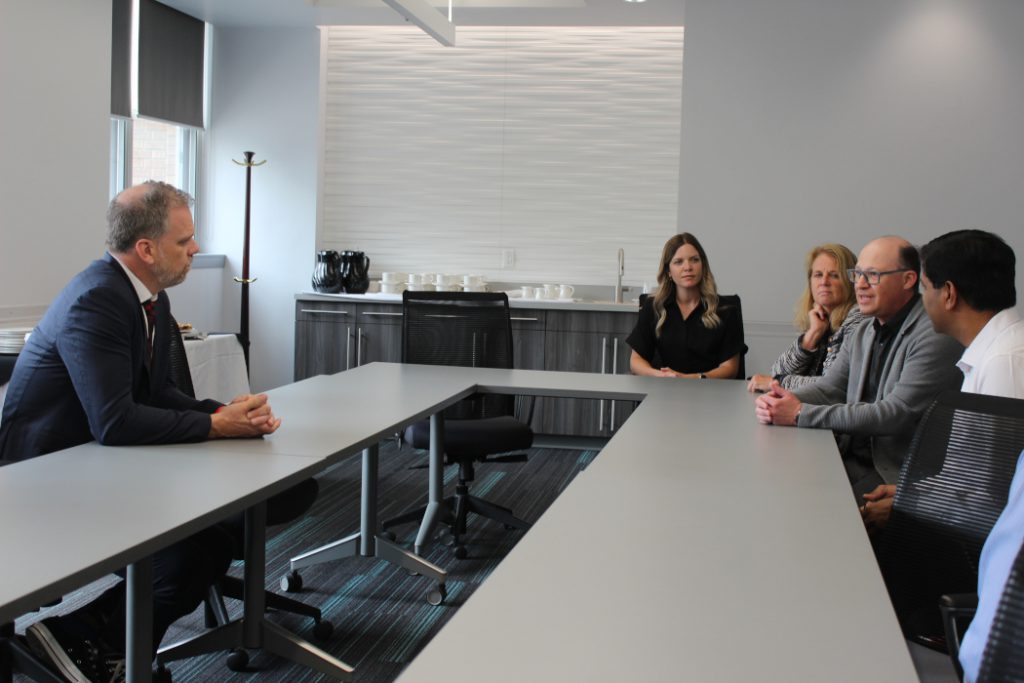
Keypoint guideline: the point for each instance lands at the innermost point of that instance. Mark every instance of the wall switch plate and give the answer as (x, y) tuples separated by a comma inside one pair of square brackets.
[(508, 258)]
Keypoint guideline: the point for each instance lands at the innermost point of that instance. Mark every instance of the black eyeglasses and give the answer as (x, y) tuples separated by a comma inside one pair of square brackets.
[(872, 276)]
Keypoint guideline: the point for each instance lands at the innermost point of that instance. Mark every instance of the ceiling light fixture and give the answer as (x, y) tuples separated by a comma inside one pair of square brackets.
[(421, 13)]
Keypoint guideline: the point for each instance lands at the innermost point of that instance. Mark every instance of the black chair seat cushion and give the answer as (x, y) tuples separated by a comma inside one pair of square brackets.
[(472, 439)]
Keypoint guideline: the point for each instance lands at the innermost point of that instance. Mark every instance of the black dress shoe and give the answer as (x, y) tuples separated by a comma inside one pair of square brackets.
[(77, 659)]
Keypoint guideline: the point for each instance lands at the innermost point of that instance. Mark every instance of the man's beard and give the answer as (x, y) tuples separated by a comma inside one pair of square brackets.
[(169, 278)]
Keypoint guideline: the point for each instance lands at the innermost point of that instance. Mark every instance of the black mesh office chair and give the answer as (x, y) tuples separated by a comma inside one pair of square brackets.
[(724, 300), (952, 487), (1003, 659), (216, 613), (473, 330)]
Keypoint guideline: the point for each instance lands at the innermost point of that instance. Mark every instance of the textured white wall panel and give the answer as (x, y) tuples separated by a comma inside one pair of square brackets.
[(559, 143)]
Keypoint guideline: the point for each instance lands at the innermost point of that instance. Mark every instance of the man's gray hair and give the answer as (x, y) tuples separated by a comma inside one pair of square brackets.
[(142, 216)]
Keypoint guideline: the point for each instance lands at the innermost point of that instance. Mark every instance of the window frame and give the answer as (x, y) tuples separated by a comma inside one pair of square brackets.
[(122, 149)]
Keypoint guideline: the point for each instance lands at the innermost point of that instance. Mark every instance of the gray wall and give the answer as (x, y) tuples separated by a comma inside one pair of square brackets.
[(801, 122), (264, 87), (808, 121), (54, 147)]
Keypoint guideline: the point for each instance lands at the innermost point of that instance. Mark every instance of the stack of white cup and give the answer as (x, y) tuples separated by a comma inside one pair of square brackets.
[(473, 283), (547, 292), (392, 283)]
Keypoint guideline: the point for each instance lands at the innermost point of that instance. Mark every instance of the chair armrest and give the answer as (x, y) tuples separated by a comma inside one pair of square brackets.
[(957, 609)]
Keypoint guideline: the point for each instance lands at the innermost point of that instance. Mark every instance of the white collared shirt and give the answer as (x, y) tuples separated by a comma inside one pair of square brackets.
[(141, 290), (994, 362)]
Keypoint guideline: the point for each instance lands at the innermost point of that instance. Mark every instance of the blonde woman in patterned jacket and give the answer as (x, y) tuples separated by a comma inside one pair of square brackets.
[(825, 313)]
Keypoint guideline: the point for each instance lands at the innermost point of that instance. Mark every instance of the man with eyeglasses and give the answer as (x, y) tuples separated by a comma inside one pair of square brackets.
[(885, 377)]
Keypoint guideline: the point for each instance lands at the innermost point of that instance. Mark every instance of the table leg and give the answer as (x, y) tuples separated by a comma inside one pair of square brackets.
[(253, 630), (139, 622), (435, 499), (366, 542)]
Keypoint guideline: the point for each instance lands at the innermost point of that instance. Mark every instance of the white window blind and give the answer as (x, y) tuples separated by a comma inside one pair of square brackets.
[(561, 144)]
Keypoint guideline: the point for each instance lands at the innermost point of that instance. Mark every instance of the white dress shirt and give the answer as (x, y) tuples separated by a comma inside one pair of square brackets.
[(994, 362)]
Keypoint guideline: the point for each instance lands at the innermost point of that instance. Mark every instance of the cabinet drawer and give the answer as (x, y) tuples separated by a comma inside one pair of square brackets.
[(527, 319), (325, 311), (591, 321), (379, 314)]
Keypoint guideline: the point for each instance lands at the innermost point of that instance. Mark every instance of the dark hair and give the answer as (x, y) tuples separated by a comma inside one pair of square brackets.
[(132, 218), (910, 259), (979, 263)]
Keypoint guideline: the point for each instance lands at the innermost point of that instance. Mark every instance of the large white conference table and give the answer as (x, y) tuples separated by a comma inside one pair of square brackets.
[(698, 544)]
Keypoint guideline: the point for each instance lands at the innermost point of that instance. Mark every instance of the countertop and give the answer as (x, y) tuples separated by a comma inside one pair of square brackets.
[(628, 306)]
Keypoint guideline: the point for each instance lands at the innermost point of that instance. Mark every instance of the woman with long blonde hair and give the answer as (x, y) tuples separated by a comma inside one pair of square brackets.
[(683, 329), (825, 312)]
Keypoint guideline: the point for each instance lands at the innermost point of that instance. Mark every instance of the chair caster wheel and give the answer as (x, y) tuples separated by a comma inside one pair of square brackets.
[(323, 629), (162, 675), (437, 596), (460, 552), (238, 660), (291, 582), (388, 536)]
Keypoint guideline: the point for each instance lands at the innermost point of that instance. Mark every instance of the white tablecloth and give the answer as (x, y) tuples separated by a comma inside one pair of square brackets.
[(218, 367)]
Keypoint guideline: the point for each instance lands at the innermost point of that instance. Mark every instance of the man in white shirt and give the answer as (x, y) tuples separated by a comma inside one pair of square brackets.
[(970, 295)]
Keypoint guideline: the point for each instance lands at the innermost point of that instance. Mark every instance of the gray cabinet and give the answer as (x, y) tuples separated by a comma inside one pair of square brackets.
[(324, 337), (528, 335), (586, 341), (335, 336), (331, 337), (378, 333)]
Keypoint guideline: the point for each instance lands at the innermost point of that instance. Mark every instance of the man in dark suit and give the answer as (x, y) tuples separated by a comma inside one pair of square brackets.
[(97, 367)]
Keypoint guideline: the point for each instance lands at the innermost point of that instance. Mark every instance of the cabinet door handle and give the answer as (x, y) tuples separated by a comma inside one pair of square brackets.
[(604, 364), (348, 348), (525, 320), (359, 347), (382, 313), (323, 311), (615, 371)]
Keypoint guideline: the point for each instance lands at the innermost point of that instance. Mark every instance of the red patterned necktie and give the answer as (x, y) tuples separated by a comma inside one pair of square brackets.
[(149, 307)]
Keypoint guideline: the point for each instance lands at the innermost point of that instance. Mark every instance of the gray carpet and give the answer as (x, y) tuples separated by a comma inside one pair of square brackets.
[(379, 611)]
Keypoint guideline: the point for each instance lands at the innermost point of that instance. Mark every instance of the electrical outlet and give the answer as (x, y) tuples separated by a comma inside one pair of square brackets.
[(508, 258)]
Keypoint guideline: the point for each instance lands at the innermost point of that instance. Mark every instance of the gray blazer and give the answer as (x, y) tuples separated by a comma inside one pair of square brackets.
[(920, 365)]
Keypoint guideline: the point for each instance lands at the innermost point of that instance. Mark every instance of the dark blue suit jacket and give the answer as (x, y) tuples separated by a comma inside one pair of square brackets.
[(85, 374)]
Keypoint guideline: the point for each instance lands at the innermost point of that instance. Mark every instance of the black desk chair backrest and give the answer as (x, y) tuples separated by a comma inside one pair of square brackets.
[(724, 300), (181, 375), (1003, 659), (952, 487), (733, 301), (467, 329)]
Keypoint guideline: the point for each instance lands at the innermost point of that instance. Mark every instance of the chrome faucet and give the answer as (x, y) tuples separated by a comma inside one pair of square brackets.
[(618, 280)]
